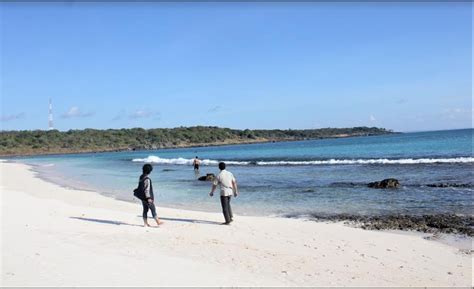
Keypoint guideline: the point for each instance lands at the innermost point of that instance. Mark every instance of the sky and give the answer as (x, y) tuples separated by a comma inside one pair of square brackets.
[(402, 66)]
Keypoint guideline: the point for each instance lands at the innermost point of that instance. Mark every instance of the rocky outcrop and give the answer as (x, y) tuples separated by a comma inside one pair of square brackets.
[(207, 177), (438, 223), (385, 184), (449, 185)]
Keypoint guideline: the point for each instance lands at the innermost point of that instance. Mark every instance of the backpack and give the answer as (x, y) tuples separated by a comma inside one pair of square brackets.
[(140, 191)]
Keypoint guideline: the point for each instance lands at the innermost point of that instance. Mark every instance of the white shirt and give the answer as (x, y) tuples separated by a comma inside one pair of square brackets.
[(224, 179)]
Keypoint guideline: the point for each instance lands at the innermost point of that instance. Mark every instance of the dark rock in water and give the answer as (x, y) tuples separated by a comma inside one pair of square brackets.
[(449, 185), (466, 251), (385, 184), (347, 184), (207, 177), (167, 170), (439, 223)]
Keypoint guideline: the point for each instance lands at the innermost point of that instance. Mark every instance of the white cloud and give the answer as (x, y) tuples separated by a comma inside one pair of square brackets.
[(457, 113), (10, 117), (215, 108), (142, 113), (76, 112)]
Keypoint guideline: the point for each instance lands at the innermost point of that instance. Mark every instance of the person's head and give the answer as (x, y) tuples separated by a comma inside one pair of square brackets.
[(221, 166), (196, 156), (147, 168)]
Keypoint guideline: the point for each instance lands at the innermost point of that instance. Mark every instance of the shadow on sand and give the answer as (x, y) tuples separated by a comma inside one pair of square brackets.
[(118, 223), (195, 221), (190, 221)]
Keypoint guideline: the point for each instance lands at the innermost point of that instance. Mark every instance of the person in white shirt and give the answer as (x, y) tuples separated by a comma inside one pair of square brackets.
[(228, 187)]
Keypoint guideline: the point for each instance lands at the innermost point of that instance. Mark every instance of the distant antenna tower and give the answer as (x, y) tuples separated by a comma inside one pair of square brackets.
[(50, 116)]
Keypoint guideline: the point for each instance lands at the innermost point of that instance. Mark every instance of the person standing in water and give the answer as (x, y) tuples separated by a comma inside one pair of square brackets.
[(145, 186), (196, 163), (228, 187)]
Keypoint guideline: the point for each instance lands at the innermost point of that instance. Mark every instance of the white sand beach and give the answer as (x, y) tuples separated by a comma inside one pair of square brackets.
[(54, 236)]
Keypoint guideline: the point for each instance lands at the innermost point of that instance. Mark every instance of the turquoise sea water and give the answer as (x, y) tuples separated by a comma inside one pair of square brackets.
[(292, 178)]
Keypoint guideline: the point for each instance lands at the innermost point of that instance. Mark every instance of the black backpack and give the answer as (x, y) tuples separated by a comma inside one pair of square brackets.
[(140, 191)]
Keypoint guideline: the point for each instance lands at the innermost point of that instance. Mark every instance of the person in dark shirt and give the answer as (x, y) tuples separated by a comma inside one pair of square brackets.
[(148, 201)]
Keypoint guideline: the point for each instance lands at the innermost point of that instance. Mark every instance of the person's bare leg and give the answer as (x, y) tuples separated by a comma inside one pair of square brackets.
[(158, 222), (145, 223)]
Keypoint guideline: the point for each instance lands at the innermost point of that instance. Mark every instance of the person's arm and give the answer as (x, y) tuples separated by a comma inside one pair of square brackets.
[(146, 189), (214, 186), (234, 185)]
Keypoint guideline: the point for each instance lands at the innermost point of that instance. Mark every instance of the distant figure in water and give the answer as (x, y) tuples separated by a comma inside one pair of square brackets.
[(196, 163), (145, 187), (228, 187)]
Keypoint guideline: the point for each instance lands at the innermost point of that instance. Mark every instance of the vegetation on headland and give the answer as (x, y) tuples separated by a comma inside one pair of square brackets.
[(93, 140)]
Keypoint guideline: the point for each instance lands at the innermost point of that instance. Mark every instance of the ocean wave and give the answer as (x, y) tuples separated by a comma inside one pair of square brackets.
[(371, 161), (183, 161), (408, 161)]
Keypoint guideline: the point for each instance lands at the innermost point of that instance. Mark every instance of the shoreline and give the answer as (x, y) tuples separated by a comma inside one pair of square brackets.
[(72, 227), (432, 226)]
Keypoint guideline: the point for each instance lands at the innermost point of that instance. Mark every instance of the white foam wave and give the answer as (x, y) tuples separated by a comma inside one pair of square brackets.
[(183, 161), (206, 162), (371, 161)]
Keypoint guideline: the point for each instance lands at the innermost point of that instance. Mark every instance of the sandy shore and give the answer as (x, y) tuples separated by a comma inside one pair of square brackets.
[(62, 237)]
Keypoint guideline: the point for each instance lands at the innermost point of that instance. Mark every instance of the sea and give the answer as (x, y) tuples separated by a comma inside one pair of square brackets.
[(300, 178)]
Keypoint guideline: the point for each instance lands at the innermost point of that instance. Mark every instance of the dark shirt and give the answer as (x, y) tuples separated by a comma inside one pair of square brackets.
[(147, 186)]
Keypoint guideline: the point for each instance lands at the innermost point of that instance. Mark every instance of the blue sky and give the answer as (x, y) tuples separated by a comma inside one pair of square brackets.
[(405, 67)]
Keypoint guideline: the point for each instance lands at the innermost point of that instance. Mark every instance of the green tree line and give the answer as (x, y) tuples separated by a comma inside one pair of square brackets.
[(92, 140)]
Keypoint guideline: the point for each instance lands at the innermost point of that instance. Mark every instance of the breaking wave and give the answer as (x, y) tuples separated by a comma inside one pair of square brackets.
[(410, 161), (183, 161)]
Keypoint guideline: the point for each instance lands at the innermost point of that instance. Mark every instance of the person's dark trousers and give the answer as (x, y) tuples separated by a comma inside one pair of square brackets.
[(226, 209), (146, 206)]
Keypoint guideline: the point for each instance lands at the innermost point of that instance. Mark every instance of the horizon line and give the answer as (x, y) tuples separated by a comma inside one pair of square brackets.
[(211, 126)]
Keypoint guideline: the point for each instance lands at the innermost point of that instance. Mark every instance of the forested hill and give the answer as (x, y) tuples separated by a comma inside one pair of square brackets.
[(92, 140)]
